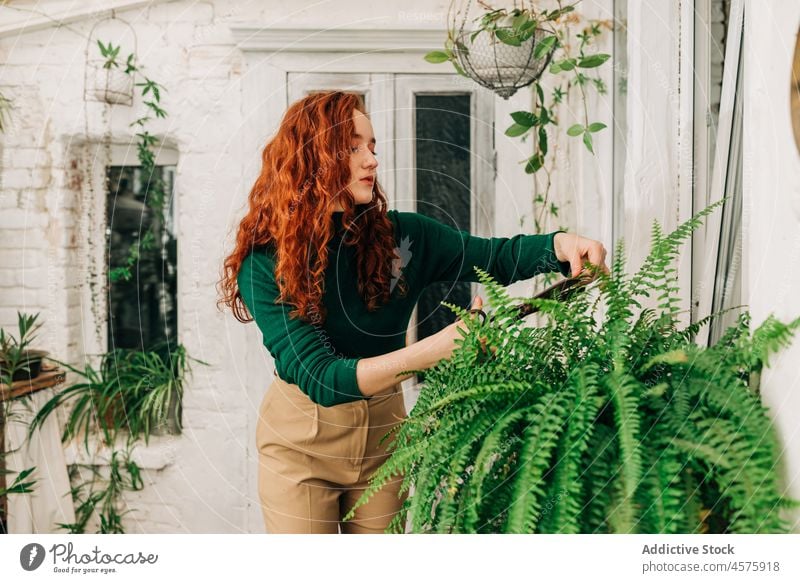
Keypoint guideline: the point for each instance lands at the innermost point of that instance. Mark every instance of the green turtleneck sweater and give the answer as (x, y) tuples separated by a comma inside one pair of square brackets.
[(322, 359)]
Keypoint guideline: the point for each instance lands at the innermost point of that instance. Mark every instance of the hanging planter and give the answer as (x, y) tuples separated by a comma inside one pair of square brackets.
[(106, 79), (501, 67), (113, 86), (501, 49)]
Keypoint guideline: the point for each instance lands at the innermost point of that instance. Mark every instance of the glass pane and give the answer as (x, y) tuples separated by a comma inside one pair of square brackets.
[(718, 27), (142, 309), (728, 276), (443, 191)]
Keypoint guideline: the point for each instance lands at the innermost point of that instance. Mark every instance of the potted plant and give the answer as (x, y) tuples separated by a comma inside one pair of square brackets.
[(506, 49), (17, 361), (612, 422), (502, 49), (112, 83), (131, 390)]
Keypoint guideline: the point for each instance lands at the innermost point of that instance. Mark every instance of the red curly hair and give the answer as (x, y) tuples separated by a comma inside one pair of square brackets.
[(305, 171)]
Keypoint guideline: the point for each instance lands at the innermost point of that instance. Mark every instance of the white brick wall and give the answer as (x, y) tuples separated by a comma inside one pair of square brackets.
[(44, 214)]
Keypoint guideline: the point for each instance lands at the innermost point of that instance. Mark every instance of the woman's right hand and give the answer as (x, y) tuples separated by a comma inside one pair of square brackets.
[(377, 373), (446, 337)]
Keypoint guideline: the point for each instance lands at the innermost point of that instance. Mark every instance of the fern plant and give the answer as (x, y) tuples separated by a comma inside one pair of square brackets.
[(594, 423)]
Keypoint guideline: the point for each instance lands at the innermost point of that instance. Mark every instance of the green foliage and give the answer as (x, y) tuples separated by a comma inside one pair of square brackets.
[(130, 390), (102, 493), (129, 393), (14, 356), (604, 420), (568, 43), (19, 485)]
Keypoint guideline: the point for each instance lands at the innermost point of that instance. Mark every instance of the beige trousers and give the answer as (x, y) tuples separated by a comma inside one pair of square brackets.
[(315, 461)]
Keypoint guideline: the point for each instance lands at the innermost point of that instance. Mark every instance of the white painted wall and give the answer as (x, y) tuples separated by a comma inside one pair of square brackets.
[(771, 212), (195, 483)]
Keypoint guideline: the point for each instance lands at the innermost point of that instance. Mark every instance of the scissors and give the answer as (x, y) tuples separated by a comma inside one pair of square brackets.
[(560, 290)]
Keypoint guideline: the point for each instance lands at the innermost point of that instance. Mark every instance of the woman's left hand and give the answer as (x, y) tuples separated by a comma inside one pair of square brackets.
[(576, 249)]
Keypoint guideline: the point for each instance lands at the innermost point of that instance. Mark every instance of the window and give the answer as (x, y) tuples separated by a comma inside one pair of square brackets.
[(142, 310), (442, 153), (717, 255), (141, 262)]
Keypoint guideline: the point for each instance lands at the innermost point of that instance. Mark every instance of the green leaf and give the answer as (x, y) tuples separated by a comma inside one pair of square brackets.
[(593, 60), (508, 36), (567, 64), (534, 163), (458, 69), (540, 93), (544, 116), (516, 130), (575, 130), (596, 126), (587, 139), (519, 21), (677, 356), (543, 141), (555, 14), (555, 68), (544, 46), (524, 118), (461, 47), (437, 57)]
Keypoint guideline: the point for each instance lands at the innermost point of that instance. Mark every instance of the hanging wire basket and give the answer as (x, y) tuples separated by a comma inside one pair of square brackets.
[(496, 55), (106, 80)]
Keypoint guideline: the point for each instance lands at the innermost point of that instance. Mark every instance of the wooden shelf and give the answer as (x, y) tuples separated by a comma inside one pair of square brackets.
[(49, 377), (46, 379)]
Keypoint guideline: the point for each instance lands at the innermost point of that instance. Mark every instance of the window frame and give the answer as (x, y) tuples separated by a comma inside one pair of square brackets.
[(711, 242)]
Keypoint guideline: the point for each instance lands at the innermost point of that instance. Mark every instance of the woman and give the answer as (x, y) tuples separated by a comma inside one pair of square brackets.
[(336, 323)]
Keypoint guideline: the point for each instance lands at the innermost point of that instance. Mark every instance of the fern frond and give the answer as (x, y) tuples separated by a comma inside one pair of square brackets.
[(541, 437)]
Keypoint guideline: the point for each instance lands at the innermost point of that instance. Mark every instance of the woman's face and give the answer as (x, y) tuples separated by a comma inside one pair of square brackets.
[(363, 162)]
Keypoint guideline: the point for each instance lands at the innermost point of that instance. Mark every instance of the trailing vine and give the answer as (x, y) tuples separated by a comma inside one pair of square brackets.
[(155, 195), (571, 57)]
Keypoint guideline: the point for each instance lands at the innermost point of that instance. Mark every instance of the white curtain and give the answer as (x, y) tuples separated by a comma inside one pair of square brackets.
[(50, 502)]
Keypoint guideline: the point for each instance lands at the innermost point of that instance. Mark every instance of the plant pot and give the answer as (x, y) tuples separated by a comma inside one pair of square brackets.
[(113, 86), (501, 67), (115, 410), (31, 361)]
